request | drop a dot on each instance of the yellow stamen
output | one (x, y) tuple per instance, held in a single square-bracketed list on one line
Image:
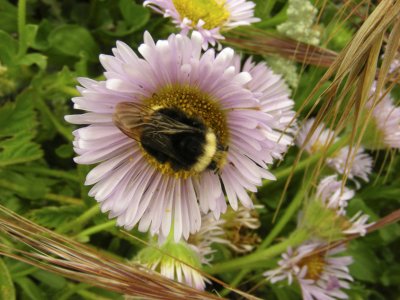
[(317, 146), (315, 265), (212, 12)]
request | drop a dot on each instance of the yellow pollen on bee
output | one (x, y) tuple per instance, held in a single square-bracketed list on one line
[(212, 12), (209, 152), (197, 104)]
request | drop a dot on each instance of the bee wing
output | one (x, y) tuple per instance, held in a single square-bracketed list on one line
[(167, 125), (130, 117)]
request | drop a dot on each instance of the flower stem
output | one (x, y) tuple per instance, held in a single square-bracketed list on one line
[(235, 282), (64, 131), (287, 216), (63, 199), (45, 171), (89, 295), (70, 91), (95, 229), (21, 27), (81, 220), (268, 6), (253, 260), (275, 20), (20, 160), (49, 196)]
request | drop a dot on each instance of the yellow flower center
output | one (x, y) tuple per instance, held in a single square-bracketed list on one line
[(212, 12), (317, 146), (343, 222), (315, 265), (193, 103)]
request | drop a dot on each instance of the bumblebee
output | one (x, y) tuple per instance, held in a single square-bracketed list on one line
[(171, 136)]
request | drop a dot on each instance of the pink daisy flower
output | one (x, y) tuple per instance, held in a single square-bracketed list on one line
[(211, 231), (321, 276), (318, 141), (239, 228), (355, 163), (383, 129), (334, 196), (220, 144), (207, 17), (358, 160), (331, 192), (275, 100)]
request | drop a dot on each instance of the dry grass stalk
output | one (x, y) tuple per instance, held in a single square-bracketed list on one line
[(257, 41), (58, 254), (354, 71), (351, 75)]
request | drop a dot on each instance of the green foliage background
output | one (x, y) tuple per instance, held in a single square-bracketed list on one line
[(44, 46)]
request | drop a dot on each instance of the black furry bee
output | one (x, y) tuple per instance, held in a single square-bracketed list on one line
[(170, 135)]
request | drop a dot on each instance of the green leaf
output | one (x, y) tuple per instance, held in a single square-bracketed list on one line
[(65, 151), (81, 66), (52, 280), (135, 16), (365, 266), (391, 276), (7, 290), (390, 233), (71, 40), (30, 289), (52, 216), (8, 48), (19, 269), (263, 11), (31, 31), (38, 37), (373, 192), (34, 59), (284, 293), (28, 186), (9, 200), (8, 16), (17, 129)]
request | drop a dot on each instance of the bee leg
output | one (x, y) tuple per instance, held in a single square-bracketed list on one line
[(213, 167)]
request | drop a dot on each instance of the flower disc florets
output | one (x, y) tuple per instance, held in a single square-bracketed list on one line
[(351, 161), (334, 196), (383, 129), (208, 17), (321, 275), (203, 94)]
